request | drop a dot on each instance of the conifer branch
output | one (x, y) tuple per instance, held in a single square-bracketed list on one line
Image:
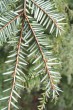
[(53, 20), (11, 21), (43, 56), (29, 42), (17, 61)]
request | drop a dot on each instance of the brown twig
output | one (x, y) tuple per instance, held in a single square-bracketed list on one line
[(24, 7), (11, 21), (41, 51), (17, 61), (53, 20)]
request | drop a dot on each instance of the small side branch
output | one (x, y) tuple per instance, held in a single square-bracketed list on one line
[(17, 61), (11, 21), (41, 51), (53, 20)]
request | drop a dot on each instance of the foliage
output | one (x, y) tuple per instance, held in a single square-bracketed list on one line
[(25, 27), (64, 50)]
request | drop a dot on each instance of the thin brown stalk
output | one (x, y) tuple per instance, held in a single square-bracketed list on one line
[(41, 51), (17, 61), (24, 7), (53, 20), (11, 21)]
